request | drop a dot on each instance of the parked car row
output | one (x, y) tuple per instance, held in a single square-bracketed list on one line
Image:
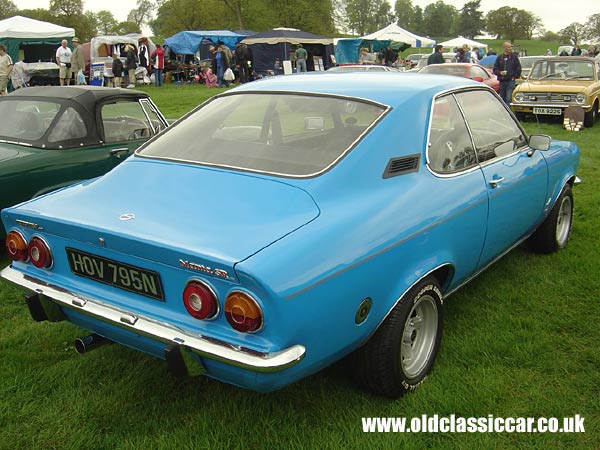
[(282, 225)]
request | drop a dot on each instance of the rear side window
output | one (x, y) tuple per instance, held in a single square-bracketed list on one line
[(125, 121), (69, 126)]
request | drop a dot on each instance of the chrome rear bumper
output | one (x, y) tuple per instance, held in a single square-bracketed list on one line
[(203, 346)]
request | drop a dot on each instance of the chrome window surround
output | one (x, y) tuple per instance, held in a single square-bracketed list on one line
[(386, 110)]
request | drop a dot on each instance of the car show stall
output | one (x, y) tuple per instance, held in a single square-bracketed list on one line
[(282, 42)]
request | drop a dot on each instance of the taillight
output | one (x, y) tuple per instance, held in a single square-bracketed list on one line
[(242, 312), (39, 253), (16, 246), (200, 301)]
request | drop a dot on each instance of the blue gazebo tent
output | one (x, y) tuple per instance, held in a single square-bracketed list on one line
[(188, 42)]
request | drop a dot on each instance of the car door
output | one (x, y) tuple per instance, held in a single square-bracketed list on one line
[(516, 177)]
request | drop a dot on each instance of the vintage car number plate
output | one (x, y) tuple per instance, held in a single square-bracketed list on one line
[(548, 111), (114, 273)]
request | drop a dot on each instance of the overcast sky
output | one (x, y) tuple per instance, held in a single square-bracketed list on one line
[(555, 14)]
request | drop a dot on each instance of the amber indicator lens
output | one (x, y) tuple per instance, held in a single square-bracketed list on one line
[(16, 246), (243, 313)]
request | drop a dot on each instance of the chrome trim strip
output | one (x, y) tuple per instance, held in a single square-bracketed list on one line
[(549, 105), (206, 347)]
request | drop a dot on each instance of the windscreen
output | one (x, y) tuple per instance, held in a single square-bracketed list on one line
[(281, 134)]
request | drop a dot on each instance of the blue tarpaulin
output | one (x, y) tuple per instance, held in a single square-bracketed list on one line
[(347, 50), (187, 42)]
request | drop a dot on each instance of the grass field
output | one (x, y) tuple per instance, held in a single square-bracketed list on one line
[(520, 340)]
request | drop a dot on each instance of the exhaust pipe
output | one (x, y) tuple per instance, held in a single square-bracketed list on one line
[(91, 341)]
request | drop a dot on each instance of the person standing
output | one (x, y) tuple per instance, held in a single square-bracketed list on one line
[(390, 56), (6, 67), (63, 59), (77, 62), (436, 57), (301, 56), (507, 68), (242, 60), (130, 66), (117, 69), (220, 63), (158, 64)]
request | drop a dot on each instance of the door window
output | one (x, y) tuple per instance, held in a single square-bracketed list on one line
[(125, 121), (494, 130)]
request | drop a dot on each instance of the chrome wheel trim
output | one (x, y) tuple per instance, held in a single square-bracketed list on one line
[(419, 336), (563, 221)]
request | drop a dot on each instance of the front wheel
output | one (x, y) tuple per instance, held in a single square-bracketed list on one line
[(401, 353), (591, 116), (553, 234)]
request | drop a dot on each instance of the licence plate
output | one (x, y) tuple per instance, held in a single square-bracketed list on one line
[(548, 111), (114, 273)]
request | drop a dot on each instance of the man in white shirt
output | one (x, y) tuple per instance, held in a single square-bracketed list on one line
[(6, 66), (63, 59)]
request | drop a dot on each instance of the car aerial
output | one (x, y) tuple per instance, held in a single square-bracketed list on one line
[(51, 137), (287, 223), (466, 70), (557, 83), (361, 68)]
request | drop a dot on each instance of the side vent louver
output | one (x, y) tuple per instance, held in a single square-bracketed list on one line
[(400, 166)]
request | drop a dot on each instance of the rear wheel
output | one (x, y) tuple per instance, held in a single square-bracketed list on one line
[(553, 234), (401, 353)]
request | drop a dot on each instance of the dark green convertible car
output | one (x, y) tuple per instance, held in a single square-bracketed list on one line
[(52, 137)]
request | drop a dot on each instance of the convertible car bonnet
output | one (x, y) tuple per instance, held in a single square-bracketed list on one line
[(167, 211)]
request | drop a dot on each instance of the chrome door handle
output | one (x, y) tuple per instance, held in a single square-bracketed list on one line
[(494, 183), (119, 151)]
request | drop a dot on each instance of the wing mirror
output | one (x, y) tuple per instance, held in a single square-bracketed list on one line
[(540, 142)]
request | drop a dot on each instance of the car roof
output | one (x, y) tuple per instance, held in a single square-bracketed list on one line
[(87, 96), (388, 88)]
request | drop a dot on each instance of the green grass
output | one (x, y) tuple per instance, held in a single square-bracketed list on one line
[(520, 340), (534, 47)]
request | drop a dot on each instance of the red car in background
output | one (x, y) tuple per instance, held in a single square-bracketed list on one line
[(466, 70)]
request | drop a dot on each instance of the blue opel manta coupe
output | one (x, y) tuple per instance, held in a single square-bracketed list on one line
[(293, 221)]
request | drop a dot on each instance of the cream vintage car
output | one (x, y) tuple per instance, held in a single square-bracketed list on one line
[(556, 83)]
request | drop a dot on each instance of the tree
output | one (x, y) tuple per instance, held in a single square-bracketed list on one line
[(38, 14), (405, 12), (439, 18), (7, 9), (66, 8), (592, 27), (550, 36), (178, 15), (512, 23), (363, 15), (105, 22), (142, 14), (314, 16), (471, 21), (573, 33), (126, 28)]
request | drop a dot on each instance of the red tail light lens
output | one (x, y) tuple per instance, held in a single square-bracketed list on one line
[(39, 253), (200, 301), (243, 313), (16, 246)]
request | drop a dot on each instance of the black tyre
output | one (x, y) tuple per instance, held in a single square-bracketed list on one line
[(591, 116), (554, 232), (401, 353)]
